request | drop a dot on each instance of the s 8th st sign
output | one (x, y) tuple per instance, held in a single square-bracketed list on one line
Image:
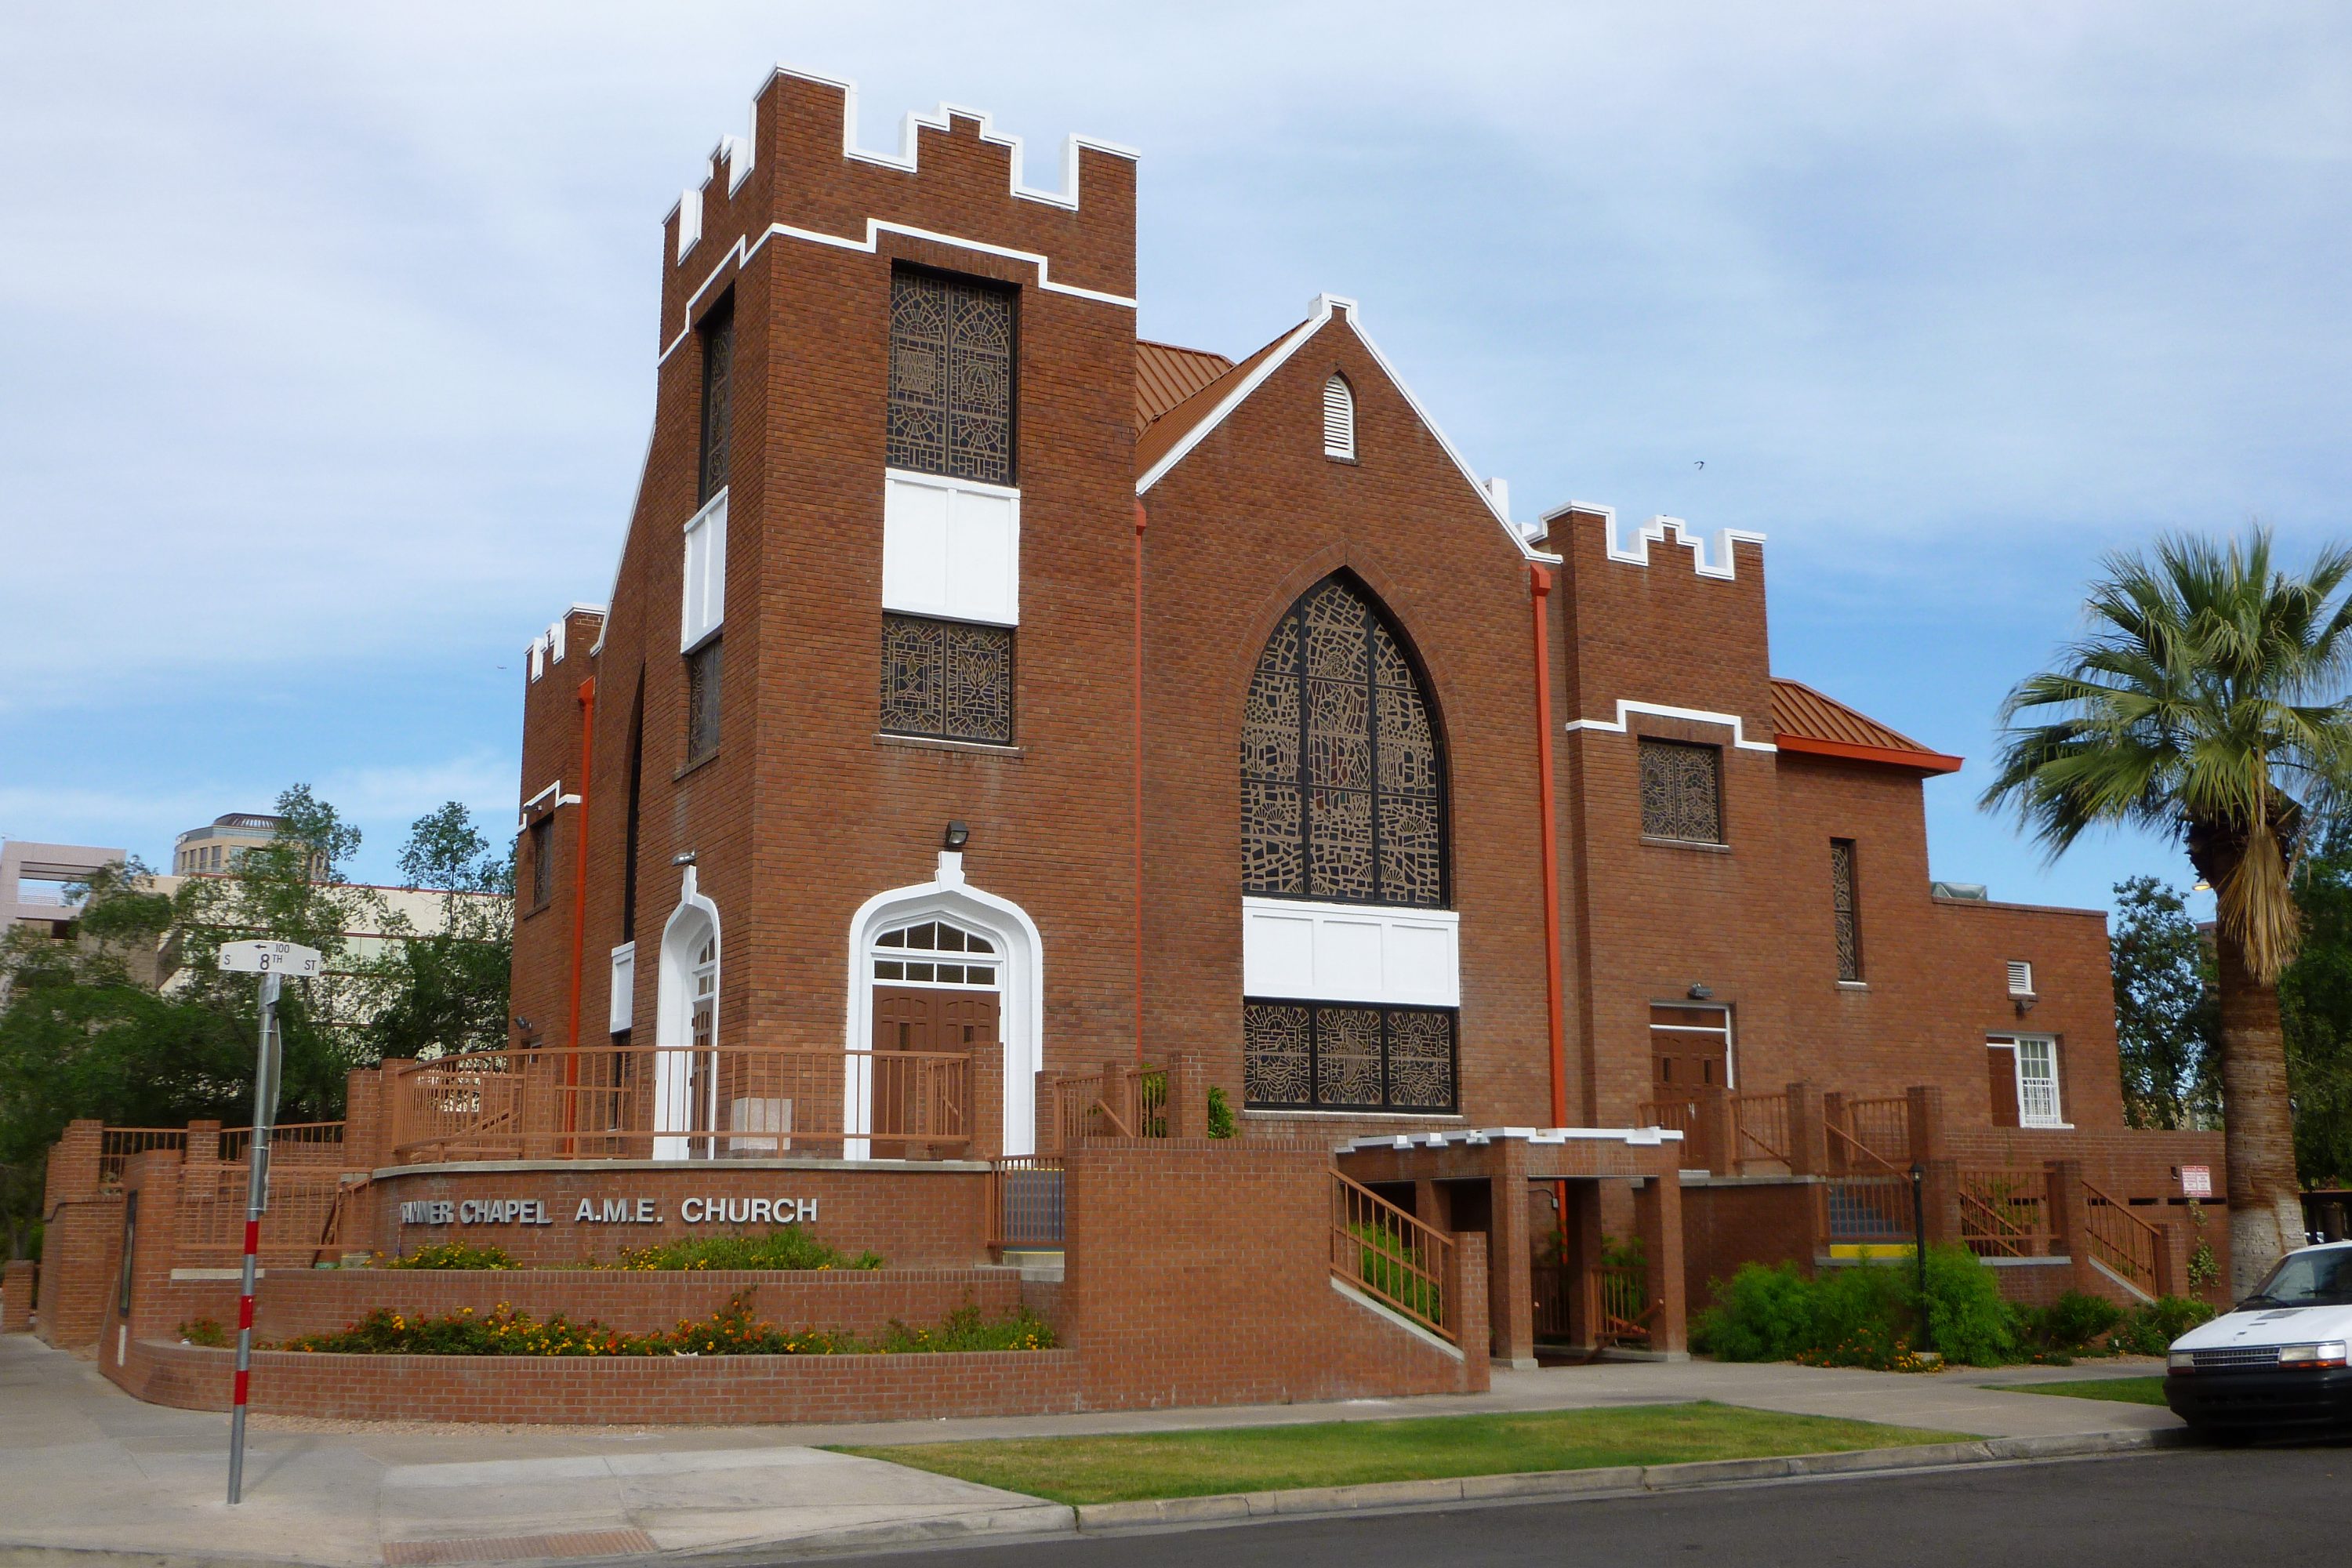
[(261, 957)]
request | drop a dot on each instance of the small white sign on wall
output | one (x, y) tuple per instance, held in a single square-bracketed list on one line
[(2197, 1181)]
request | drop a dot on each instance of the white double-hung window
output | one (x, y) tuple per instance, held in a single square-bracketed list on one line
[(2037, 1081)]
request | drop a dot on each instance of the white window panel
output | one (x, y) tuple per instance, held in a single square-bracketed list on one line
[(950, 548), (2021, 977), (705, 595), (2037, 1081), (623, 1005), (1350, 953), (1339, 418)]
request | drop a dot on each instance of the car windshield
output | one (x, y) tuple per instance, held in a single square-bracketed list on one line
[(2310, 1279)]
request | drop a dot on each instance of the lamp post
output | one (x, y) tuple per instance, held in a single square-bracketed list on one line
[(1919, 1251)]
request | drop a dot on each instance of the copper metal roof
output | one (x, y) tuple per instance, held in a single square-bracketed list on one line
[(1165, 375), (1804, 721), (1160, 438)]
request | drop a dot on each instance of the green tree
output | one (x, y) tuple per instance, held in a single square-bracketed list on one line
[(444, 989), (2315, 1006), (2166, 1016), (2206, 700)]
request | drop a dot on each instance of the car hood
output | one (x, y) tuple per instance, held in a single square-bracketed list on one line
[(2269, 1326)]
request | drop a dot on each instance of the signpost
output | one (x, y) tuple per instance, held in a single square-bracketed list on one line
[(272, 961)]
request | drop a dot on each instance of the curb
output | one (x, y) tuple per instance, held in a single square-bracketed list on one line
[(1049, 1520), (1622, 1481)]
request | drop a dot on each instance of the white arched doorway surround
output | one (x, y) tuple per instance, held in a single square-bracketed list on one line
[(690, 925), (1021, 1021)]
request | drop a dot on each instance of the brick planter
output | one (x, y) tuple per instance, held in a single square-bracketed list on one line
[(564, 1390)]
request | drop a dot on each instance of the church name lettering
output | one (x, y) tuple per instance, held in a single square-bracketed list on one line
[(608, 1211)]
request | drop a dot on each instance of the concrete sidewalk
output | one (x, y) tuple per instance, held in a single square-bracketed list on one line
[(84, 1467)]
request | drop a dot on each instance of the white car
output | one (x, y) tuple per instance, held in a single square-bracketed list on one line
[(2279, 1359)]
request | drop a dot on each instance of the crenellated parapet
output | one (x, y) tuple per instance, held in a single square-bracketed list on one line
[(798, 175), (1721, 562)]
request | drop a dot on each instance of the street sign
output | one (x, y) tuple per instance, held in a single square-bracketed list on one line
[(269, 958), (2197, 1181)]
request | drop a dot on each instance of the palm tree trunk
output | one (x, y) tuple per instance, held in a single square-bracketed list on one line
[(2257, 1123)]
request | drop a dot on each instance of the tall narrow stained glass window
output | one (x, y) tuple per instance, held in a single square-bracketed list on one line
[(952, 368), (1842, 903), (718, 398), (1342, 775), (946, 681)]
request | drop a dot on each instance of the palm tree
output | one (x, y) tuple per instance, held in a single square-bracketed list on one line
[(2207, 699)]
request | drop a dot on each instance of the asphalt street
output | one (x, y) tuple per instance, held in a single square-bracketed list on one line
[(2278, 1508)]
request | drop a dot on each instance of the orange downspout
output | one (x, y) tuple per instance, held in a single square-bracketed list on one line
[(1555, 999), (580, 894), (1137, 706)]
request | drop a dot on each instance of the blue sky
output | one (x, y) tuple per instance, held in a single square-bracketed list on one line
[(327, 333)]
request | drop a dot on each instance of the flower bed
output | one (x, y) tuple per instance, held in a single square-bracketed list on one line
[(732, 1330), (789, 1247)]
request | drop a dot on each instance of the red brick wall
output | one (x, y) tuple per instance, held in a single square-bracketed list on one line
[(80, 1248), (1724, 1227), (17, 1287), (1199, 1273), (914, 1216), (561, 1390)]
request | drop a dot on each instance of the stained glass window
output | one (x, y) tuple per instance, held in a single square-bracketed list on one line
[(947, 679), (951, 361), (1343, 793), (718, 398), (1682, 791), (1345, 1055), (1842, 903), (702, 701)]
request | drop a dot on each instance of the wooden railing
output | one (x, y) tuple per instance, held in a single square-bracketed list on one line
[(618, 1102), (1761, 1127), (2005, 1213), (1850, 1153), (1872, 1208), (292, 1143), (1679, 1114), (2120, 1238), (1883, 1126), (1131, 1102), (1024, 1202), (211, 1223), (1621, 1294), (1391, 1256), (117, 1145)]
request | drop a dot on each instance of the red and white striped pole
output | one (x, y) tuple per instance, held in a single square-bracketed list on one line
[(256, 1199)]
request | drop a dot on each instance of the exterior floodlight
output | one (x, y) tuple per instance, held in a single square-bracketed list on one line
[(956, 837)]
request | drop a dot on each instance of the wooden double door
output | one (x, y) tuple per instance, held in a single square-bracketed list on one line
[(907, 1098)]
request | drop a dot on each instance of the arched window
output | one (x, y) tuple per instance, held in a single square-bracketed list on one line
[(1343, 795), (1339, 418), (937, 953)]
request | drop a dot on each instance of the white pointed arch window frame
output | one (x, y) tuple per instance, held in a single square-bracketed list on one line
[(1338, 417), (937, 952), (692, 951), (1020, 987)]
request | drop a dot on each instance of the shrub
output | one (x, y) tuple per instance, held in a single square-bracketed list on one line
[(1967, 1319), (730, 1330), (1221, 1114), (2150, 1329), (1865, 1315), (790, 1247), (1761, 1314), (453, 1255), (205, 1332)]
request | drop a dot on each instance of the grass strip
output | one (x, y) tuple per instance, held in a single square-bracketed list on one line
[(2125, 1389), (1130, 1466)]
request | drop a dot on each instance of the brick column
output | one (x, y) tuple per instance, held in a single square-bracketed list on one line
[(204, 1143), (74, 1164), (17, 1296), (2172, 1257), (1510, 1288), (1188, 1095), (1466, 1304), (2070, 1224), (1808, 1153), (984, 1117), (1834, 1160), (391, 1110), (1940, 1198), (363, 1118), (1582, 1256), (1925, 1103), (1658, 1219), (1048, 1125)]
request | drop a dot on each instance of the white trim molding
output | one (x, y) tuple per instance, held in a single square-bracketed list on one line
[(673, 1120), (621, 1004), (1694, 715), (1319, 314), (1021, 1018), (553, 797), (1636, 551)]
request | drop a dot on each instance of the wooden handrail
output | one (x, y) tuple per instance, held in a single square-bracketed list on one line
[(1854, 1145), (1391, 1256), (2130, 1244)]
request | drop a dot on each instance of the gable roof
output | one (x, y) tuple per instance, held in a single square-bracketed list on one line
[(1804, 721), (1173, 436), (1165, 375)]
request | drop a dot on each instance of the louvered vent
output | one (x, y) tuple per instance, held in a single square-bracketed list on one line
[(2021, 977), (1339, 418)]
